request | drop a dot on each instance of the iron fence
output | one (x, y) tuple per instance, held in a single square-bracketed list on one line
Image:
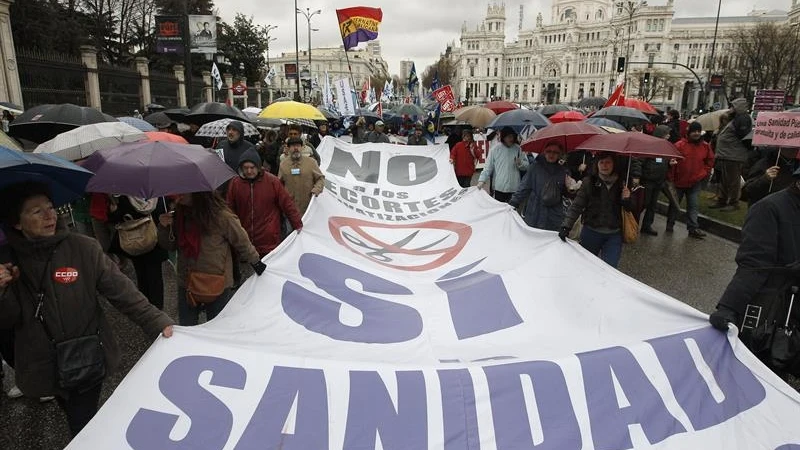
[(51, 78), (120, 90), (164, 89)]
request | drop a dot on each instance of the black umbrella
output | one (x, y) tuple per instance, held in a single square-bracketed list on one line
[(549, 110), (44, 122), (623, 115), (203, 113), (592, 102), (13, 108), (159, 119), (177, 114)]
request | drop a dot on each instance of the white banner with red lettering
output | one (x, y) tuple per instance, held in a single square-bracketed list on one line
[(410, 313)]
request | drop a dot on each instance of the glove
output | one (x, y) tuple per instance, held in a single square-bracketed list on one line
[(563, 233), (259, 267), (722, 317)]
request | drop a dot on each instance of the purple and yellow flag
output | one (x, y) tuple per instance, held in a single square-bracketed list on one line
[(358, 24)]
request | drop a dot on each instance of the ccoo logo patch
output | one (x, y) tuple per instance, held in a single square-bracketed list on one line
[(65, 275)]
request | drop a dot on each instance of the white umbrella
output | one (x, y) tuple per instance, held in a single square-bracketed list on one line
[(710, 121), (81, 142), (217, 129), (252, 109)]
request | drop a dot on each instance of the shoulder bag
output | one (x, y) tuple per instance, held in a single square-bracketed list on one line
[(137, 236)]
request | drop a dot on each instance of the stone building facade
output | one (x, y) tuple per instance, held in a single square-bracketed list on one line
[(574, 54)]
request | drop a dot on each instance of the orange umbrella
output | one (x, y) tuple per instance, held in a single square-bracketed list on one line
[(160, 136), (567, 116)]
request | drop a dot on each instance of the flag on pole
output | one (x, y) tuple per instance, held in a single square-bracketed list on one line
[(327, 94), (345, 98), (617, 97), (216, 76), (358, 24), (412, 78), (270, 76), (365, 88), (435, 82), (386, 94)]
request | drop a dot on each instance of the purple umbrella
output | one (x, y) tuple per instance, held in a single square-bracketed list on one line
[(154, 169)]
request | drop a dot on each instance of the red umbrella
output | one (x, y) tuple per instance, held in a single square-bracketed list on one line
[(631, 144), (567, 134), (160, 136), (567, 116), (641, 105), (500, 106)]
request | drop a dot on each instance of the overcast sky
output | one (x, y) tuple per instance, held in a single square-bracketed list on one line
[(420, 29)]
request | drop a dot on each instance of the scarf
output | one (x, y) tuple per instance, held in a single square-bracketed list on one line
[(608, 180), (143, 206), (188, 236)]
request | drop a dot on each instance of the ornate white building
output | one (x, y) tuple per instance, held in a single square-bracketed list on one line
[(574, 55)]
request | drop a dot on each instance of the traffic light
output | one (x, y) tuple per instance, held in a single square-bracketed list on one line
[(621, 64), (647, 77)]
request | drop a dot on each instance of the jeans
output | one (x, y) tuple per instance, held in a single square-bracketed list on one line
[(80, 407), (464, 181), (691, 195), (502, 197), (189, 315), (608, 246), (651, 192)]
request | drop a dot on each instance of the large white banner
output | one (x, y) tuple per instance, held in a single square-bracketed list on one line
[(410, 313)]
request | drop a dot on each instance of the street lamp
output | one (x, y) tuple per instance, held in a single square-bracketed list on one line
[(308, 14)]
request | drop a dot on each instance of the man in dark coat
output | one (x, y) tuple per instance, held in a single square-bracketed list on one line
[(654, 178), (544, 184), (770, 241), (731, 153), (674, 124), (235, 145)]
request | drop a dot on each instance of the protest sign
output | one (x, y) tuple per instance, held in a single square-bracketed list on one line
[(444, 95), (414, 314), (777, 129)]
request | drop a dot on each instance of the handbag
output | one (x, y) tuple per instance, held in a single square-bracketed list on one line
[(551, 193), (776, 342), (80, 362), (137, 236), (630, 227), (202, 287)]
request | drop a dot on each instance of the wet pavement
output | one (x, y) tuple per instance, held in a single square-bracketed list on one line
[(692, 271)]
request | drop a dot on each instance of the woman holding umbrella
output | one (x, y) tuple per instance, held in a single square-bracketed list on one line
[(600, 201), (50, 296), (204, 231), (505, 162), (544, 184)]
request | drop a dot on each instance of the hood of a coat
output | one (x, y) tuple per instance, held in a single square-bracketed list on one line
[(250, 155), (739, 105)]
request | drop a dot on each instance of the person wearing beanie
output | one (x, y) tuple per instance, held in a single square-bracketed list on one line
[(654, 179), (378, 136), (504, 166), (767, 261), (259, 199), (687, 175), (732, 155), (417, 138)]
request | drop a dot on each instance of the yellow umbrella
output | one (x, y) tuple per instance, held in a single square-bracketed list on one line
[(291, 110)]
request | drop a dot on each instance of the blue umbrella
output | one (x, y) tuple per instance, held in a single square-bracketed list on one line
[(519, 119), (67, 181), (139, 124), (603, 122)]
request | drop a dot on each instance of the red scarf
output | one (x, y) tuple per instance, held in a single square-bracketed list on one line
[(188, 237)]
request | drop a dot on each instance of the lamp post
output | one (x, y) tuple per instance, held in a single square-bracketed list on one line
[(631, 8), (269, 39), (296, 53), (707, 90), (308, 14)]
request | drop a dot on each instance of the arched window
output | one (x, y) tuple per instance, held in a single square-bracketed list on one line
[(598, 15), (569, 14)]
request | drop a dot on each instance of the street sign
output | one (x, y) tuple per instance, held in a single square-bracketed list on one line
[(239, 88), (769, 100)]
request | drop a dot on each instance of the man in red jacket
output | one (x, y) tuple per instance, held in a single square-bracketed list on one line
[(259, 198), (687, 173), (463, 156)]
